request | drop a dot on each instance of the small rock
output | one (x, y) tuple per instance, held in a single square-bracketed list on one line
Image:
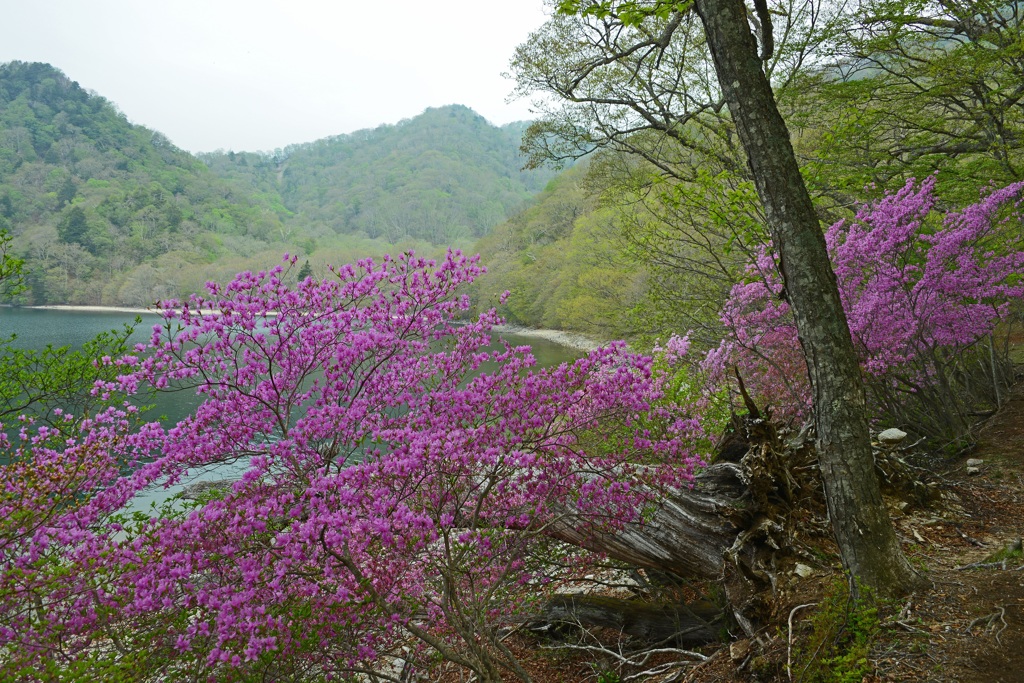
[(197, 489), (739, 650), (892, 436), (975, 462), (973, 470), (802, 570)]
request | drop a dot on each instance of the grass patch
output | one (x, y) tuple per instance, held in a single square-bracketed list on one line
[(842, 631), (1013, 551)]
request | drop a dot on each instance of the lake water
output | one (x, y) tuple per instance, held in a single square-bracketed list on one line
[(36, 328)]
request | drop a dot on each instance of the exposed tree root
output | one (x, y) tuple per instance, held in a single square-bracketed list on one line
[(988, 622)]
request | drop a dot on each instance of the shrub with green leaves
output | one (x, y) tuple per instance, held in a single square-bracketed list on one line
[(842, 631)]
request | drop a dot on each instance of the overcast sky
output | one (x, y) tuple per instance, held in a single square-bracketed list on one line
[(260, 74)]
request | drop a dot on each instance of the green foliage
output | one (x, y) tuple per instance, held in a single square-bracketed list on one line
[(694, 237), (73, 226), (843, 629), (445, 177), (38, 383), (614, 248), (565, 263), (12, 269), (631, 13), (917, 87)]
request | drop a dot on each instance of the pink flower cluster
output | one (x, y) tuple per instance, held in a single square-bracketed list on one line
[(911, 285), (391, 488)]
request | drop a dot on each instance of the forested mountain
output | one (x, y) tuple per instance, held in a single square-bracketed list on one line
[(443, 177), (107, 212), (101, 208)]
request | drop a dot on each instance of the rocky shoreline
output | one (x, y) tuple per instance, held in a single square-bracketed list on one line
[(570, 340)]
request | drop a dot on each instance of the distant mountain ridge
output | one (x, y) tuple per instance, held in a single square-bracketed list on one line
[(108, 212)]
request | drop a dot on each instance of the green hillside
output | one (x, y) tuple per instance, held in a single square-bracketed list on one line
[(564, 262), (108, 212), (102, 209)]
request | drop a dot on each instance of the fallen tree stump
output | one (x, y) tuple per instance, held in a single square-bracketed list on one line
[(734, 527)]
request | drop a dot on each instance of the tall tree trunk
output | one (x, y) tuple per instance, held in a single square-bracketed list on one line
[(860, 521)]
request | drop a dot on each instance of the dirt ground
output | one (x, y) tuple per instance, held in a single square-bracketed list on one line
[(973, 618), (968, 627)]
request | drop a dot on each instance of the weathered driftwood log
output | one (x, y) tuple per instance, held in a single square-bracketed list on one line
[(734, 527), (697, 531)]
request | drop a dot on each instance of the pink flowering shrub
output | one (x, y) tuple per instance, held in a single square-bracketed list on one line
[(394, 500), (920, 292), (687, 383), (59, 486)]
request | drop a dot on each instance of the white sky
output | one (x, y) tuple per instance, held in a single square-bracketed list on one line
[(250, 75)]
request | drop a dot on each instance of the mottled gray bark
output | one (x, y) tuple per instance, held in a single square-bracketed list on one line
[(687, 535), (862, 527)]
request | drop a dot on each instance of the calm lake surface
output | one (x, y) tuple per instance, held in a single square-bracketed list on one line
[(37, 328)]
